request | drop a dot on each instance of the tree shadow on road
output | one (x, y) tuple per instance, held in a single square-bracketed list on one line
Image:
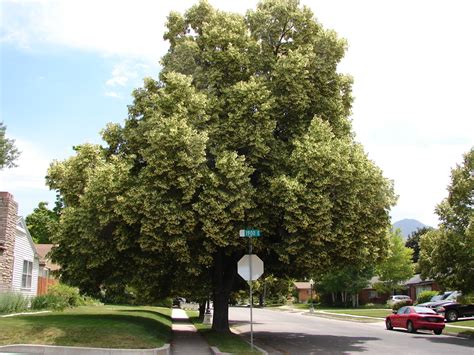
[(468, 342), (297, 343)]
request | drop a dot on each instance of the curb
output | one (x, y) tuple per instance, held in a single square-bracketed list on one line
[(69, 350), (215, 350), (237, 332)]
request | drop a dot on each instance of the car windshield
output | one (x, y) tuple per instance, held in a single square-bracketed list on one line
[(424, 310), (438, 298)]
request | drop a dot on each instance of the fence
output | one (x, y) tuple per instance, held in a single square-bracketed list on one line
[(44, 283)]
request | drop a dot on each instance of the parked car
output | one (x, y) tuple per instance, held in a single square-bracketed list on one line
[(453, 310), (414, 318), (438, 300), (399, 298)]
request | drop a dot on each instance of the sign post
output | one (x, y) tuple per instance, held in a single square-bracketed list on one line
[(250, 267)]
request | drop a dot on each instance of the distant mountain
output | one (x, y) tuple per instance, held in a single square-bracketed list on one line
[(408, 226)]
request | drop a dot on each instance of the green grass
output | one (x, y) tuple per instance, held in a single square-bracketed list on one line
[(101, 326), (228, 343), (462, 323)]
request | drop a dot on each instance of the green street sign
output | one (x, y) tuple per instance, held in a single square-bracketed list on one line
[(249, 233)]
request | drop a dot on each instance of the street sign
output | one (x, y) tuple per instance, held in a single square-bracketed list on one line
[(243, 267), (250, 233)]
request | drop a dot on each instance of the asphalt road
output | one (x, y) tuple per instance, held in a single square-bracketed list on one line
[(296, 333)]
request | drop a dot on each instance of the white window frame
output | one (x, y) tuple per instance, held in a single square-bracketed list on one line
[(27, 274)]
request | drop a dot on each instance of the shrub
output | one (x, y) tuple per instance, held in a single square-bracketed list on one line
[(397, 305), (49, 301), (426, 296), (66, 294), (466, 299), (11, 302)]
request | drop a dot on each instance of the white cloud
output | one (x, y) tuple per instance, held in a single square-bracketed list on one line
[(31, 170), (111, 94)]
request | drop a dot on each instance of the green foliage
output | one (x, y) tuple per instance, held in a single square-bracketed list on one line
[(346, 280), (397, 267), (8, 152), (447, 254), (69, 294), (247, 126), (397, 305), (11, 302), (43, 223), (413, 241), (426, 296), (49, 301), (466, 299), (60, 297)]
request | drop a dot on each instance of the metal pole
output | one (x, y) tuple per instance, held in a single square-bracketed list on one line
[(251, 296)]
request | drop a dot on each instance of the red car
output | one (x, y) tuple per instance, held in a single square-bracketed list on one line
[(414, 318)]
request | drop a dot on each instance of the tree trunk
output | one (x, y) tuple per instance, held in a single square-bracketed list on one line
[(202, 309), (333, 295), (225, 270)]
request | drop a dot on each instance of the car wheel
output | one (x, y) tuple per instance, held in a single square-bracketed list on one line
[(411, 327), (388, 324), (438, 331), (451, 316)]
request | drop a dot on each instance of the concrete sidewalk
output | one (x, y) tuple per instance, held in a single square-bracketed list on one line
[(186, 339)]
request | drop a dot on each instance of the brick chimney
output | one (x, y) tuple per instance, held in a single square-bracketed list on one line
[(8, 221)]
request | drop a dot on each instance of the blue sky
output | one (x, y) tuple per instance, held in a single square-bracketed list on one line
[(69, 67)]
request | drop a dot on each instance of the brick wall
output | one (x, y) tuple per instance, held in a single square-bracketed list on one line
[(8, 220)]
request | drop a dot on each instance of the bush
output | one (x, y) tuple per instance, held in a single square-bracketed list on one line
[(466, 299), (12, 302), (67, 295), (49, 301), (426, 296), (397, 305), (60, 297)]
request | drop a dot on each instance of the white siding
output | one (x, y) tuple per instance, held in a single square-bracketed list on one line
[(24, 251)]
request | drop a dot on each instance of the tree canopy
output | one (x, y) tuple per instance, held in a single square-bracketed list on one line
[(447, 254), (8, 152), (247, 126), (413, 241), (43, 222), (397, 267)]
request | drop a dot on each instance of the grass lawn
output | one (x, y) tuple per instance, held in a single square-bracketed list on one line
[(228, 343), (98, 326), (462, 323)]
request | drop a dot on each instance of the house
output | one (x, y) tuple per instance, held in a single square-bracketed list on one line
[(304, 291), (19, 260), (371, 295), (416, 285), (46, 267)]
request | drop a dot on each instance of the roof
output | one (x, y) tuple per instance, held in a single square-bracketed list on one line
[(417, 280), (372, 282), (302, 285), (43, 251)]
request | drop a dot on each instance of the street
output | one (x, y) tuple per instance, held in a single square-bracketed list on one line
[(294, 333)]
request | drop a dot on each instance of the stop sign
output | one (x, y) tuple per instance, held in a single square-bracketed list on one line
[(243, 267)]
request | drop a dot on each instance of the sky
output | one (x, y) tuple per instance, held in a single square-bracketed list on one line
[(68, 67)]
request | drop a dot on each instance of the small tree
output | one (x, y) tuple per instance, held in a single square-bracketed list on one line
[(397, 267), (447, 254), (413, 241), (8, 152)]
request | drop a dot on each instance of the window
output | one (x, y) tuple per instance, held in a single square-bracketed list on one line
[(27, 274), (373, 294)]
